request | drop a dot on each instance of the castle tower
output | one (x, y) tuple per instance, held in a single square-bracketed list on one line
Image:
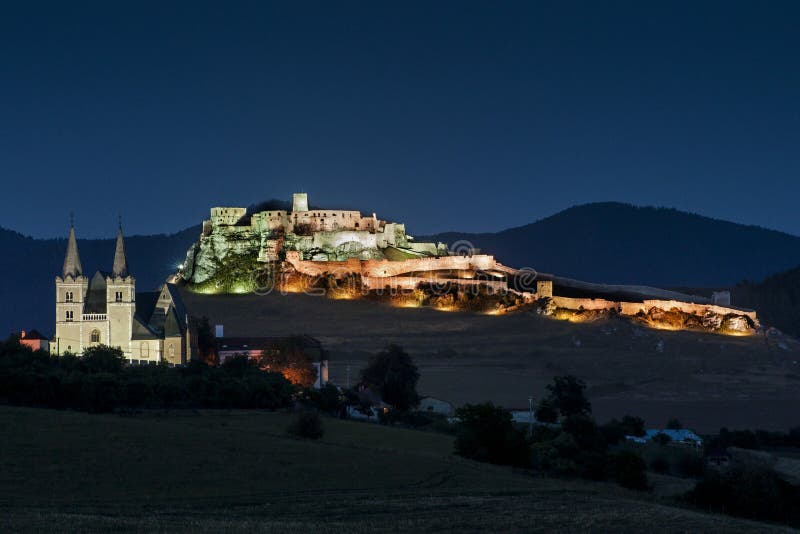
[(120, 299), (299, 202), (71, 289)]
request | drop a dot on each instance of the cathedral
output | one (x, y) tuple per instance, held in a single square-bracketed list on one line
[(105, 309)]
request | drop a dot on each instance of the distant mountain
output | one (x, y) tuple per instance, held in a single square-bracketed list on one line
[(622, 244), (28, 268), (608, 242)]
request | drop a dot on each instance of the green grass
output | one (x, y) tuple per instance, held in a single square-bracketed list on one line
[(239, 471)]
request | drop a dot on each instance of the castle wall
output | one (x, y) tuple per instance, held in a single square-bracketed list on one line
[(387, 268), (334, 239), (412, 282), (226, 216), (633, 308)]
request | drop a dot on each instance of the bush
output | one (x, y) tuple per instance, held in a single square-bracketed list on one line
[(659, 464), (307, 425), (486, 433), (629, 470)]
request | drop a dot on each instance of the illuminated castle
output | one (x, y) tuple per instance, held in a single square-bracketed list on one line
[(106, 309)]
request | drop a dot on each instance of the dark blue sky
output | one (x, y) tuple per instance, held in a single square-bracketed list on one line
[(445, 115)]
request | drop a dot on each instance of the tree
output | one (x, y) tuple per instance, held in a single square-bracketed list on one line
[(103, 359), (567, 396), (206, 342), (632, 425), (546, 412), (486, 433), (674, 424), (290, 359), (392, 373)]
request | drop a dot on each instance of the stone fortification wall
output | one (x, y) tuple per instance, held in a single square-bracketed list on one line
[(633, 308), (412, 282), (386, 268)]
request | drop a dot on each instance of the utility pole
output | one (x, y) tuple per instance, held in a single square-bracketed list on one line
[(530, 416)]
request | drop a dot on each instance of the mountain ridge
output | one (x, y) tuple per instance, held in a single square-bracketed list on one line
[(607, 242)]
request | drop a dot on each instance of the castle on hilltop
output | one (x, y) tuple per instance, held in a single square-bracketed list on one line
[(352, 255), (313, 234), (106, 309)]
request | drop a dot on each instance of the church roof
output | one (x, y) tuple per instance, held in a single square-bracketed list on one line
[(72, 261), (145, 305), (142, 331), (120, 259)]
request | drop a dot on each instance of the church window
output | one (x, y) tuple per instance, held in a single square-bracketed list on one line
[(118, 296), (68, 296), (95, 336), (171, 350), (69, 315)]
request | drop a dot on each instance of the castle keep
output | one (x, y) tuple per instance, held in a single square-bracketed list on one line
[(106, 309)]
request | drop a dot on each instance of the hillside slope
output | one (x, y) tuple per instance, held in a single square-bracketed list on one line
[(611, 243), (622, 244)]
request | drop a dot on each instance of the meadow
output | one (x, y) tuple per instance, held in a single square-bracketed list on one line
[(206, 471)]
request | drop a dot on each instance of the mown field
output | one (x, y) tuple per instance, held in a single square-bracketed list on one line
[(707, 381), (239, 471)]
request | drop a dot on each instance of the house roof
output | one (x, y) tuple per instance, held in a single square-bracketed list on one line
[(146, 304), (246, 344), (33, 334), (682, 434)]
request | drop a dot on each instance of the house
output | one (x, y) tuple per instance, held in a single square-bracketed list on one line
[(683, 436), (34, 340), (434, 405)]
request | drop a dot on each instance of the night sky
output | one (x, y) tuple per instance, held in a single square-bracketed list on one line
[(444, 115)]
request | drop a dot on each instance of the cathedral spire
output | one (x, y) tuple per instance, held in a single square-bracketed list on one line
[(72, 261), (120, 259)]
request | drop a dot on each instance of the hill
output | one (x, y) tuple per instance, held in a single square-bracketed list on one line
[(618, 243), (706, 380), (609, 242), (239, 471), (777, 298)]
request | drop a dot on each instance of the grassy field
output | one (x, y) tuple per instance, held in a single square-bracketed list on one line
[(239, 471), (707, 381)]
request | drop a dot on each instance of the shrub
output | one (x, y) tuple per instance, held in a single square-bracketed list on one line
[(307, 425), (751, 491), (629, 470), (659, 464)]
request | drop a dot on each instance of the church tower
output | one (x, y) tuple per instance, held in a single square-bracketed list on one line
[(120, 299), (71, 289)]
